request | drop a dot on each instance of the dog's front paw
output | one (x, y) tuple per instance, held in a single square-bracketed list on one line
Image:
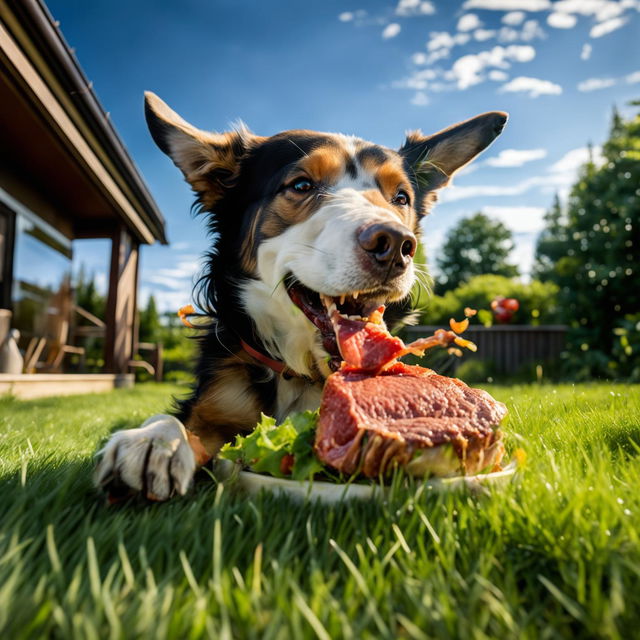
[(155, 460)]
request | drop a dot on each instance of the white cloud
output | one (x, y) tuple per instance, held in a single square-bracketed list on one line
[(484, 34), (585, 54), (469, 22), (391, 31), (518, 219), (454, 193), (524, 253), (508, 5), (165, 300), (514, 18), (100, 280), (560, 20), (574, 159), (467, 69), (418, 80), (601, 9), (520, 53), (559, 177), (444, 40), (165, 281), (593, 84), (530, 31), (516, 157), (498, 76), (419, 58), (609, 10), (434, 56), (603, 28), (351, 16), (440, 44), (420, 99), (415, 8), (533, 86)]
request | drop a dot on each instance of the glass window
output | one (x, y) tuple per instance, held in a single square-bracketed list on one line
[(42, 296)]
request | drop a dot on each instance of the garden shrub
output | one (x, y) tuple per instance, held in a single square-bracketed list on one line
[(537, 300)]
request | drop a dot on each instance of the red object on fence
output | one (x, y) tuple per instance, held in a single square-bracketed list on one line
[(504, 308)]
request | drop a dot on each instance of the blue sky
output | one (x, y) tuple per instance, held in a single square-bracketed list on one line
[(371, 68)]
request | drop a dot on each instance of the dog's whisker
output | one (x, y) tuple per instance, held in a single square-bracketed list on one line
[(306, 155), (310, 246)]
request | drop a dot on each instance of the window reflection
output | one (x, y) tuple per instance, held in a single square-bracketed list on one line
[(41, 286)]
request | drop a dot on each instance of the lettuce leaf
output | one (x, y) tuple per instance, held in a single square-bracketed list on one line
[(265, 447)]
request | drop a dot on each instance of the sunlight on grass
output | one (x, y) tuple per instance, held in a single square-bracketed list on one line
[(556, 553)]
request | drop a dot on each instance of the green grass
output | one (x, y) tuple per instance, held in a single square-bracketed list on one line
[(555, 554)]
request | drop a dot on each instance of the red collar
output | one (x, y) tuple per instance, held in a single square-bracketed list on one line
[(275, 365)]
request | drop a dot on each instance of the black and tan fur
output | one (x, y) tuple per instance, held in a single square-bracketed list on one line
[(243, 184)]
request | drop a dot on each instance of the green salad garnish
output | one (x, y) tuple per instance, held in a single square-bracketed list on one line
[(283, 451)]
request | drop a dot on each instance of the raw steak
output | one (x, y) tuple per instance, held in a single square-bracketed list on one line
[(377, 413)]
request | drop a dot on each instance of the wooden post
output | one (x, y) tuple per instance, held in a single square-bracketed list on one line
[(121, 303)]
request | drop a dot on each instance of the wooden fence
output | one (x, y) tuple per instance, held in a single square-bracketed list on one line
[(507, 347)]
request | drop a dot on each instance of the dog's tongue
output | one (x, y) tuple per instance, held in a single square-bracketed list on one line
[(367, 345)]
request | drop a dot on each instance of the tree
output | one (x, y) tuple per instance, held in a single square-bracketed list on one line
[(475, 246), (149, 329), (87, 295), (590, 250), (550, 247)]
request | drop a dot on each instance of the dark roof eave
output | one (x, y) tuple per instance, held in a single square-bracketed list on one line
[(54, 49)]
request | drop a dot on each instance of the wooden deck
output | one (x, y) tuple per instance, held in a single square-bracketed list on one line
[(40, 385)]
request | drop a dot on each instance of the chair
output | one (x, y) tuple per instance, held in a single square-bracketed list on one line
[(53, 338)]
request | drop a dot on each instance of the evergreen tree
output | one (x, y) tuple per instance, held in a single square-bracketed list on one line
[(149, 330), (87, 295), (592, 251), (475, 246)]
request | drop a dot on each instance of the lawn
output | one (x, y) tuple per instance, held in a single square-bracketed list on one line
[(555, 554)]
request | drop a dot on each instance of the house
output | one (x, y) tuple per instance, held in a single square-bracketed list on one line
[(65, 176)]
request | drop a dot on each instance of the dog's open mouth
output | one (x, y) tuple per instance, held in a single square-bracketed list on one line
[(318, 309)]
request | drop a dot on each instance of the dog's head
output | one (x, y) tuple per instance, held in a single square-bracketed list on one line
[(307, 219)]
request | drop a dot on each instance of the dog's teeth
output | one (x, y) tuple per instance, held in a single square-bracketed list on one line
[(360, 318), (342, 299), (355, 295)]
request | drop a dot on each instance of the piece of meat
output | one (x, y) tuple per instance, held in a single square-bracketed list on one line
[(368, 346), (369, 423), (365, 346)]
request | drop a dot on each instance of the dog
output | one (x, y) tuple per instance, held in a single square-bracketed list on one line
[(300, 220)]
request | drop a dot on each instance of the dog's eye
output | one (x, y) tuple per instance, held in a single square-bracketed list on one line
[(401, 198), (302, 185)]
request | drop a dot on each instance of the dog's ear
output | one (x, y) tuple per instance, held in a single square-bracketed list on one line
[(209, 161), (433, 160)]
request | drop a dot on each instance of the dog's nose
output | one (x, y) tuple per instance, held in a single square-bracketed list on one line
[(390, 243)]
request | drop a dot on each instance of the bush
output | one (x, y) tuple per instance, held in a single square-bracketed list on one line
[(475, 371), (537, 300), (626, 348)]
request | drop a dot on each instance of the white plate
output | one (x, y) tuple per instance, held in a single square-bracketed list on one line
[(330, 493)]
